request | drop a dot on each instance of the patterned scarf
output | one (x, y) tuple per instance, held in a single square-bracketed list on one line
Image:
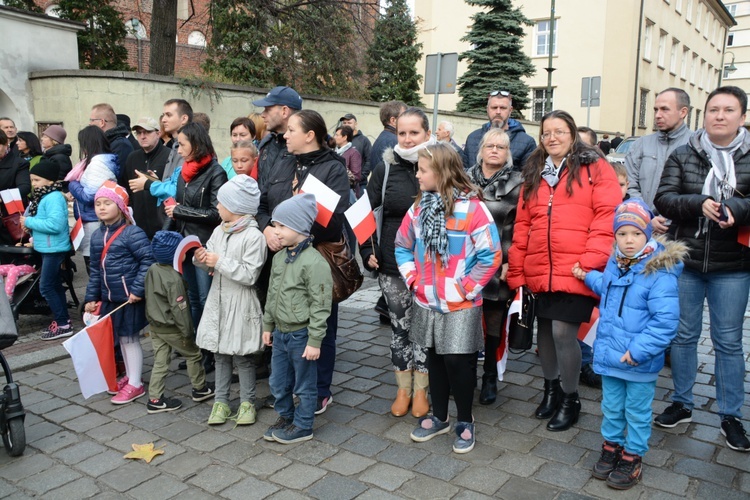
[(476, 174), (432, 224), (293, 253), (237, 226), (624, 263), (550, 172), (40, 193)]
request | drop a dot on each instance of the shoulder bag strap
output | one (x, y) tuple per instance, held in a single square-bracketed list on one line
[(109, 243), (382, 196)]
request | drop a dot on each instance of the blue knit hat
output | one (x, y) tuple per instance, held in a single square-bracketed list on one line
[(164, 246), (297, 213), (634, 212)]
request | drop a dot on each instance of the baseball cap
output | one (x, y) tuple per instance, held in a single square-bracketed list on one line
[(348, 116), (281, 96), (146, 123)]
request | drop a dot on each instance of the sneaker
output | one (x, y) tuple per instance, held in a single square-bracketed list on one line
[(163, 404), (245, 414), (128, 394), (203, 394), (589, 377), (675, 414), (55, 331), (480, 356), (219, 413), (428, 428), (270, 401), (120, 384), (465, 437), (735, 434), (323, 404), (280, 423), (292, 434), (611, 453), (627, 473)]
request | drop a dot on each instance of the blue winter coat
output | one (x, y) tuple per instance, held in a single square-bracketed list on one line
[(639, 312), (521, 144), (49, 227), (124, 268)]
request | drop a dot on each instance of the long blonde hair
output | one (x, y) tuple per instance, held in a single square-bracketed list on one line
[(449, 174)]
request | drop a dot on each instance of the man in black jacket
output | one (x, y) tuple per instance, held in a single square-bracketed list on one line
[(104, 117), (361, 143), (278, 106)]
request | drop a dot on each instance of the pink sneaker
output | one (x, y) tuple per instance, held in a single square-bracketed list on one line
[(128, 394), (120, 384)]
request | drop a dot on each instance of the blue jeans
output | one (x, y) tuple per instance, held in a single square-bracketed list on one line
[(627, 405), (727, 294), (50, 286), (328, 354), (292, 374), (199, 283)]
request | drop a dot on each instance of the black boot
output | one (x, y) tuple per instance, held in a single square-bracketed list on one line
[(488, 393), (550, 400), (567, 414)]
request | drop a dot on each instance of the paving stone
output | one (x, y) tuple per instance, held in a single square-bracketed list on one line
[(351, 398), (400, 455), (706, 471), (690, 447), (84, 487), (215, 478), (481, 479), (50, 479), (423, 487), (207, 441), (180, 431), (560, 452), (157, 421), (264, 464), (186, 465), (289, 495), (46, 406), (358, 384), (52, 443), (297, 476), (340, 413), (105, 433), (160, 487), (445, 468), (124, 443), (656, 457), (514, 441), (346, 463), (127, 413), (377, 405), (518, 464), (333, 486), (666, 480), (40, 431), (65, 413), (86, 422), (79, 452), (236, 452), (250, 487), (312, 453), (524, 488), (365, 444), (734, 459), (24, 466), (563, 476), (374, 424), (351, 356), (399, 432), (334, 433), (100, 464), (521, 425), (710, 490), (129, 475), (6, 489)]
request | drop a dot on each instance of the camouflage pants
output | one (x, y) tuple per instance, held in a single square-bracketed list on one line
[(405, 355)]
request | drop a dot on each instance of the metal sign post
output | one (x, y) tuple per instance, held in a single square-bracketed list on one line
[(440, 78), (590, 94)]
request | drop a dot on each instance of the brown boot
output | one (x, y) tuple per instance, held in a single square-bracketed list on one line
[(419, 405), (400, 407)]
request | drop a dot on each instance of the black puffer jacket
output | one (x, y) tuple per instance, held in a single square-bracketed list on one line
[(400, 191), (271, 151), (60, 154), (196, 213), (679, 198)]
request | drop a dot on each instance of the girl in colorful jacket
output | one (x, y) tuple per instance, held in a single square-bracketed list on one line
[(447, 249)]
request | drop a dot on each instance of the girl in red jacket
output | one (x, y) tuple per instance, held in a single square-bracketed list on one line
[(564, 221)]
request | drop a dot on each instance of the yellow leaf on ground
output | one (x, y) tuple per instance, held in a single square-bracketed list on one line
[(145, 452)]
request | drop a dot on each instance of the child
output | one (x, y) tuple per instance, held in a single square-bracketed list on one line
[(638, 317), (120, 257), (244, 156), (47, 220), (231, 323), (171, 325), (447, 250), (12, 273), (622, 179), (299, 302)]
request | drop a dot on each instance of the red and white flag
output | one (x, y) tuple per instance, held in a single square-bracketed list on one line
[(12, 200), (587, 331), (76, 233), (326, 198), (93, 353), (188, 243), (502, 350), (361, 219)]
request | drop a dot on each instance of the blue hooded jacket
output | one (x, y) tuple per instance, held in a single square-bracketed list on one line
[(521, 144)]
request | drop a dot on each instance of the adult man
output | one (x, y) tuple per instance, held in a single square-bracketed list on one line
[(616, 141), (389, 112), (361, 143), (278, 106), (148, 160), (9, 127), (103, 116), (645, 160), (444, 133), (176, 114), (499, 108)]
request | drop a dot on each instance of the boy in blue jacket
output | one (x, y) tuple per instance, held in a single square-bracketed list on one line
[(638, 317)]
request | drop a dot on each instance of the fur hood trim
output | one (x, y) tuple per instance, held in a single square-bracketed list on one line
[(672, 254), (588, 156), (389, 157)]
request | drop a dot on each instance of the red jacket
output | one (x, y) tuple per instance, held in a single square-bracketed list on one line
[(555, 230)]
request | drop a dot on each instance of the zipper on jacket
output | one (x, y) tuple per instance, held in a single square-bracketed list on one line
[(203, 189), (104, 269), (606, 299), (706, 245), (549, 236), (276, 308), (622, 301), (125, 286)]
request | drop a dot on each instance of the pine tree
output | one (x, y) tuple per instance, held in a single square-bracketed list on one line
[(393, 56), (497, 60)]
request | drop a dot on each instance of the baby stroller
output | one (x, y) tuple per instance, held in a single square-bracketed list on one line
[(12, 414)]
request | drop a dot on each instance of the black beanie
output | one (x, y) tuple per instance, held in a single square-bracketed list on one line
[(46, 169)]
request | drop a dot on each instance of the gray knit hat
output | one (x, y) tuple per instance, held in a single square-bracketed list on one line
[(240, 195), (297, 213)]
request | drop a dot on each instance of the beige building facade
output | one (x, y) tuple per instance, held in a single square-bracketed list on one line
[(737, 53), (637, 47)]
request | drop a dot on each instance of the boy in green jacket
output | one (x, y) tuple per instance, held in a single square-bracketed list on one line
[(171, 325), (298, 304)]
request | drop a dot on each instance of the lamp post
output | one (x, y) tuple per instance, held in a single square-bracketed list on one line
[(551, 49)]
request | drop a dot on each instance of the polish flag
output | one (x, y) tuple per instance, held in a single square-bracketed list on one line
[(12, 200), (76, 233), (188, 243), (587, 331), (93, 353), (326, 198), (361, 219), (502, 350)]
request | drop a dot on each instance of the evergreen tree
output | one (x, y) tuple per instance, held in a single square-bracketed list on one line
[(24, 5), (100, 44), (393, 56), (497, 60)]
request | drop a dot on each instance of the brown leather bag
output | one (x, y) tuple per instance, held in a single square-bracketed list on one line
[(12, 224), (345, 271)]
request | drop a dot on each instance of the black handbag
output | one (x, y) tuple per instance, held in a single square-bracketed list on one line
[(521, 328)]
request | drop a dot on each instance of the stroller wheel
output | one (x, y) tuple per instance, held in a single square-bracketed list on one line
[(14, 437)]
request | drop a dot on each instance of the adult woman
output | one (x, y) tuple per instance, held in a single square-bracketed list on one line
[(704, 191), (344, 147), (500, 185), (309, 156), (260, 128), (241, 129), (98, 164), (564, 220), (55, 149), (29, 148), (14, 173), (401, 186)]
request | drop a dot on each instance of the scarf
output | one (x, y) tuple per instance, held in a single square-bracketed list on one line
[(476, 174), (721, 179), (77, 172), (39, 193), (237, 226), (191, 168), (550, 172), (410, 154), (292, 253), (432, 224), (624, 263), (343, 149)]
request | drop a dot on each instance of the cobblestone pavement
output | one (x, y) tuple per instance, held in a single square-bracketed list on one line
[(76, 446)]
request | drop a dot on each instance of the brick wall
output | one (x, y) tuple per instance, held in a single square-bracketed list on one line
[(188, 58)]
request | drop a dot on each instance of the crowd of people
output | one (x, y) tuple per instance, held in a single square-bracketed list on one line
[(461, 230)]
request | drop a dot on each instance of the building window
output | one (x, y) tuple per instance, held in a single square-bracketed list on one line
[(706, 23), (732, 9), (689, 11), (539, 102), (183, 9), (690, 115), (541, 38), (698, 123), (647, 40), (684, 64), (702, 75), (698, 13), (135, 29), (693, 68), (197, 38), (730, 39), (662, 49), (678, 6), (673, 57), (642, 107), (53, 10)]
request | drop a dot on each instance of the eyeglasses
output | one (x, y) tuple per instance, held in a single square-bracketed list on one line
[(503, 93), (92, 120), (499, 147), (556, 133)]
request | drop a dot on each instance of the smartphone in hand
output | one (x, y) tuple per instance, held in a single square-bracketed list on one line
[(170, 202), (723, 213)]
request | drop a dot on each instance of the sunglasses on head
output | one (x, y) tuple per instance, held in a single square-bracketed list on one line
[(503, 93)]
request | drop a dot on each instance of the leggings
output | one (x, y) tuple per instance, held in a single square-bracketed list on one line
[(454, 373), (559, 352)]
